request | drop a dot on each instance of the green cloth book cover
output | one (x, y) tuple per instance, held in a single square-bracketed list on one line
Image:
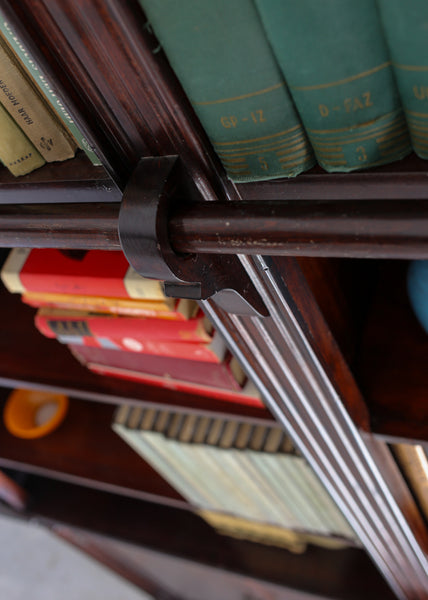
[(406, 29), (337, 66), (220, 54)]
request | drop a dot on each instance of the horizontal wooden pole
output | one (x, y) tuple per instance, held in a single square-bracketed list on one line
[(354, 229), (85, 226)]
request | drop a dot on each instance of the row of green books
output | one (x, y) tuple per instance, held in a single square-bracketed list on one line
[(35, 127), (282, 84), (237, 474)]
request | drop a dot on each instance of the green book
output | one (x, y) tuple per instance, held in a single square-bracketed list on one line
[(406, 29), (220, 54), (336, 63)]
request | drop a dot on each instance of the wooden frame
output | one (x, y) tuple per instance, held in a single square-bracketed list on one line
[(98, 56)]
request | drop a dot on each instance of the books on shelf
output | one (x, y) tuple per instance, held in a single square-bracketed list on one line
[(192, 339), (17, 153), (334, 63), (223, 380), (167, 308), (149, 338), (96, 273), (220, 53), (34, 72), (404, 24), (54, 322), (234, 473), (20, 97)]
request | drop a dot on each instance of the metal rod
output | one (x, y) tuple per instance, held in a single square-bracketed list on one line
[(364, 229), (88, 226), (367, 229)]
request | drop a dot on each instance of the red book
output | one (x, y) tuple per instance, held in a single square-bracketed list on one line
[(93, 273), (225, 381), (56, 322), (169, 308), (213, 352)]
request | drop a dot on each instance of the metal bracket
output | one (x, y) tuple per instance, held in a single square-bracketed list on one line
[(154, 186)]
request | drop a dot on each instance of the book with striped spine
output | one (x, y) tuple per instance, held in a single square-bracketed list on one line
[(335, 60), (233, 468), (405, 28), (223, 60), (17, 153)]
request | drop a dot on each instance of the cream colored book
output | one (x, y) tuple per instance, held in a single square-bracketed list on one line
[(27, 107), (17, 153), (233, 469)]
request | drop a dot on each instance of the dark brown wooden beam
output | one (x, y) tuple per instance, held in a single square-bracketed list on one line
[(353, 229), (74, 180), (364, 229), (75, 226)]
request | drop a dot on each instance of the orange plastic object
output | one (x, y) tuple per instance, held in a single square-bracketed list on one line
[(31, 413)]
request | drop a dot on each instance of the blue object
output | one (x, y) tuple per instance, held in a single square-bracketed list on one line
[(417, 287)]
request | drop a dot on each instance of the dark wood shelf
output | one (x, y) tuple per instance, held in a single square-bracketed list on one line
[(182, 535), (402, 180), (74, 180), (323, 344), (392, 367), (85, 450)]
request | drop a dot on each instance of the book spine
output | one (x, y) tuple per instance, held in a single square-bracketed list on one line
[(11, 270), (336, 63), (56, 322), (45, 88), (404, 24), (224, 62), (413, 461), (97, 273), (188, 351), (17, 153), (23, 102), (173, 384), (113, 306), (217, 376), (200, 456)]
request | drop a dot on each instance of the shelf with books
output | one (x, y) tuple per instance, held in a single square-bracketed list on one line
[(30, 359), (129, 104), (164, 123), (76, 180), (86, 451), (168, 118)]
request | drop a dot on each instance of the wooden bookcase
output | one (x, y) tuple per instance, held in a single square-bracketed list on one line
[(340, 360)]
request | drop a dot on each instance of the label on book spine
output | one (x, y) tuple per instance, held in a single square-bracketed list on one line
[(405, 27), (337, 66), (17, 153), (221, 55)]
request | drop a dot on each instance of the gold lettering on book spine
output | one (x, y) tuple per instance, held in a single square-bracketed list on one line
[(342, 81)]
